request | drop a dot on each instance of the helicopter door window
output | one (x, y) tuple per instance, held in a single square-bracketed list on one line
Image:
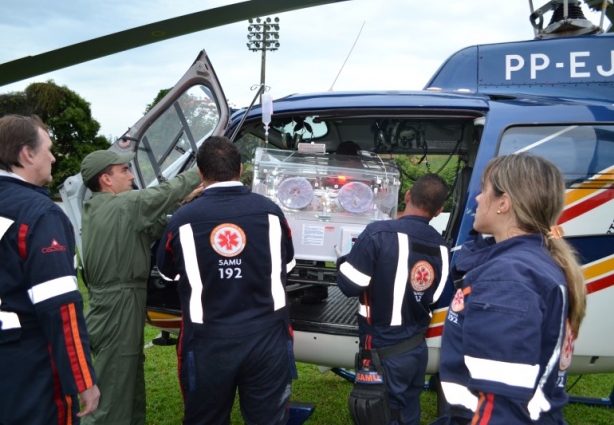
[(175, 134), (571, 147), (585, 156)]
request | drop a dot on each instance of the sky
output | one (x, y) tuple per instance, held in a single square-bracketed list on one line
[(402, 43)]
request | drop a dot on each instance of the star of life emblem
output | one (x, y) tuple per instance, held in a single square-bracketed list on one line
[(228, 240), (567, 350), (458, 303), (422, 276)]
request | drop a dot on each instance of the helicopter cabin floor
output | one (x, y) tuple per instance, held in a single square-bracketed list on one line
[(334, 315)]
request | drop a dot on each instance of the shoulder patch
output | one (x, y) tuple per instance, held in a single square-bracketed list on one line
[(567, 350), (228, 240), (458, 303), (422, 276), (55, 246)]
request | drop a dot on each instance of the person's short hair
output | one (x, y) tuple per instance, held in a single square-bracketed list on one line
[(347, 148), (218, 159), (93, 184), (429, 193), (17, 131)]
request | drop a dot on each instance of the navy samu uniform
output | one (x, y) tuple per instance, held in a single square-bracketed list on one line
[(400, 266), (506, 343), (44, 348), (231, 251)]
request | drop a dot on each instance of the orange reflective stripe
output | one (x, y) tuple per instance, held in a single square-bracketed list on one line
[(79, 347), (476, 415), (69, 409)]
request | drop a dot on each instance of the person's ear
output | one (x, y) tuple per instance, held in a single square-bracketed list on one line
[(26, 155), (406, 200), (105, 180), (438, 212), (200, 174), (504, 203)]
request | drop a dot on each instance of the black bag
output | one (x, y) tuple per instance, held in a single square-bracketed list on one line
[(368, 401)]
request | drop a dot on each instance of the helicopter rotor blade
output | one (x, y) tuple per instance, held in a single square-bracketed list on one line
[(31, 66)]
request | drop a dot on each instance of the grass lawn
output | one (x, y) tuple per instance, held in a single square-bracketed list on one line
[(329, 393)]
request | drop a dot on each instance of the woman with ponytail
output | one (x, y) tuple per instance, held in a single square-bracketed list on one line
[(520, 299)]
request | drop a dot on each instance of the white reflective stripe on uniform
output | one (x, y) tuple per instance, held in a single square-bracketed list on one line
[(277, 288), (400, 280), (514, 374), (186, 238), (52, 288), (362, 310), (457, 394), (163, 276), (290, 265), (538, 402), (445, 269), (9, 320), (354, 275), (5, 223)]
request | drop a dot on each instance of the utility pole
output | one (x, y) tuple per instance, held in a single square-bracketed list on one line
[(263, 35)]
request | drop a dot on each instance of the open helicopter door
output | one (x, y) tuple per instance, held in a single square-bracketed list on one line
[(167, 137)]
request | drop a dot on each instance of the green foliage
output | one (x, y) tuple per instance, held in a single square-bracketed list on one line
[(69, 118), (14, 103), (158, 98), (412, 167)]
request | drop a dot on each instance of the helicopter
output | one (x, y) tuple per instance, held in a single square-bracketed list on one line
[(551, 96)]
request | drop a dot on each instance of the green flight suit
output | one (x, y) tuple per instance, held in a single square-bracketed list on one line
[(118, 231)]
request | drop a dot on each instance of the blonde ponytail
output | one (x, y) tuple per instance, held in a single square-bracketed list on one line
[(563, 254), (537, 190)]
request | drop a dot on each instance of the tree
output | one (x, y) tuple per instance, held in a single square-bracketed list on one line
[(69, 118), (158, 98), (412, 168)]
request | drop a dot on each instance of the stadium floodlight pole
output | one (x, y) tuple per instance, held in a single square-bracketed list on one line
[(263, 35)]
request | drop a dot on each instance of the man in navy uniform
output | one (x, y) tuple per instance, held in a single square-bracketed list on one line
[(45, 364), (398, 268), (230, 251)]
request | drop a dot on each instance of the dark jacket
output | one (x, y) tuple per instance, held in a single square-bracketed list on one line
[(231, 251), (504, 332), (400, 266), (40, 304)]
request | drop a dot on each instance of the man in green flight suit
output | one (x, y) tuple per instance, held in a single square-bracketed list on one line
[(119, 226)]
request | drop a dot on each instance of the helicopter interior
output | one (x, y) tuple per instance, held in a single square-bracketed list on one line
[(378, 133), (443, 143)]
